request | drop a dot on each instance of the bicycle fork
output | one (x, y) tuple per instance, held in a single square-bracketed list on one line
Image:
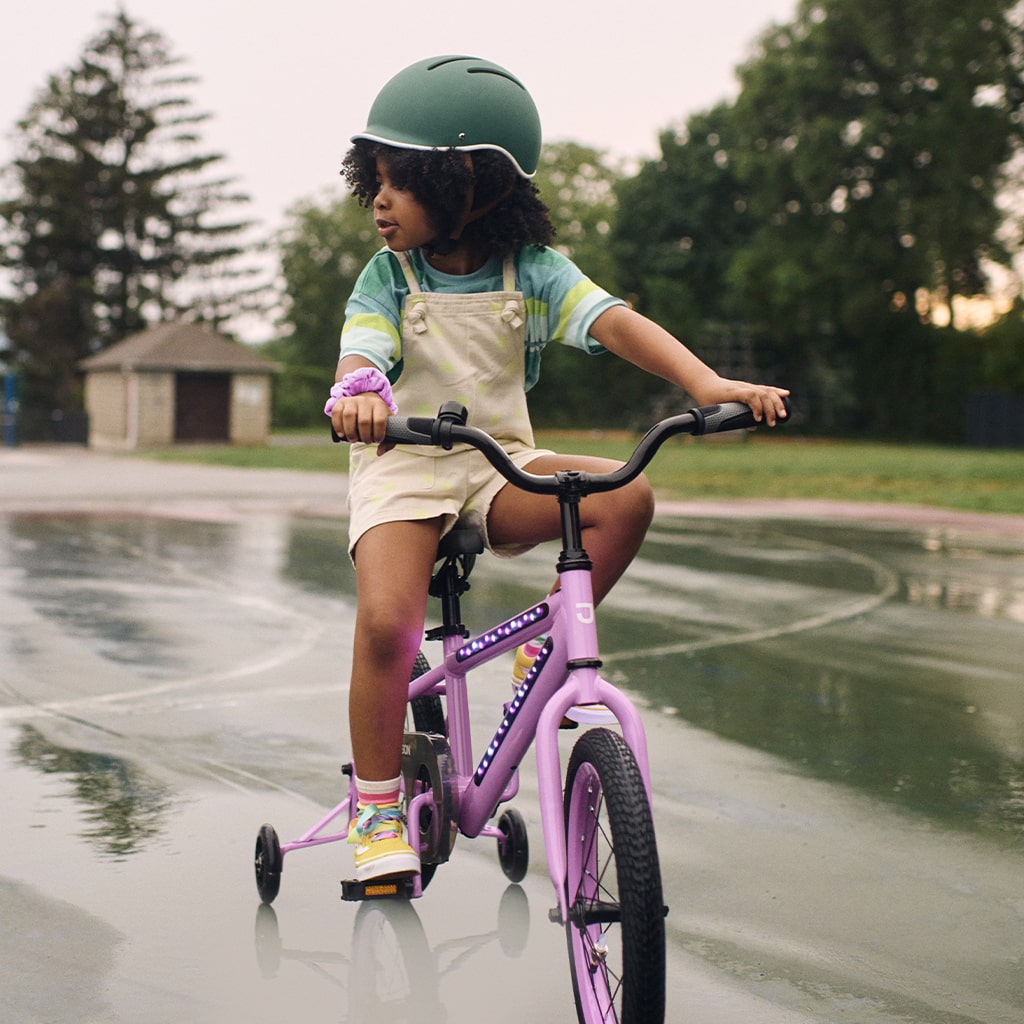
[(584, 685)]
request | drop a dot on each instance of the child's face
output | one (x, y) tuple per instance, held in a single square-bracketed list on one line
[(400, 218)]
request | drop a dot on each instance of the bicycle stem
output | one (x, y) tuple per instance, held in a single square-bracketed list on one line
[(571, 490)]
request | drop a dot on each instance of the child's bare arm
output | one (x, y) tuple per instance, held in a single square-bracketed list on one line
[(645, 344)]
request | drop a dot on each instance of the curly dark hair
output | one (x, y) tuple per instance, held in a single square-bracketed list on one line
[(440, 180)]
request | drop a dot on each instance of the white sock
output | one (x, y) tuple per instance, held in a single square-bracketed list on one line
[(374, 791)]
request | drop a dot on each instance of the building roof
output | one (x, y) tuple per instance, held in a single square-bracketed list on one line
[(178, 346)]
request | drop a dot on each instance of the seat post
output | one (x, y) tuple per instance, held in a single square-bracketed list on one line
[(452, 584), (458, 550)]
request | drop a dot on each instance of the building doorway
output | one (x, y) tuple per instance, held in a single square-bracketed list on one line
[(202, 407)]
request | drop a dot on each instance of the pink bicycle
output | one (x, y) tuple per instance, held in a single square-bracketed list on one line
[(598, 831)]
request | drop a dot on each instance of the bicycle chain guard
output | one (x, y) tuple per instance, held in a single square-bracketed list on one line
[(427, 761)]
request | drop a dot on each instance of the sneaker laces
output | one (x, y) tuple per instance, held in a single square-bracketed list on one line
[(372, 818)]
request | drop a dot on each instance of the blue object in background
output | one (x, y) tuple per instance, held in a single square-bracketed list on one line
[(10, 410)]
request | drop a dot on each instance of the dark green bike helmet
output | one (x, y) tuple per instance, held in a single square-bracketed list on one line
[(462, 103)]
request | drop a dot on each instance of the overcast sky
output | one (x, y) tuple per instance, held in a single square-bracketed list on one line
[(288, 82)]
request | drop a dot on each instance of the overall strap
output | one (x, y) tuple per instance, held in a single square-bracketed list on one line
[(508, 272), (410, 274)]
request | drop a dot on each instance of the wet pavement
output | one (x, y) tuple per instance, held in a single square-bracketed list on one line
[(835, 709)]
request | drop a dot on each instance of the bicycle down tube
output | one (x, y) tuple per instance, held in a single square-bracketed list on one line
[(577, 682)]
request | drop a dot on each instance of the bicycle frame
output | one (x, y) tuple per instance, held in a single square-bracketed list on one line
[(565, 674)]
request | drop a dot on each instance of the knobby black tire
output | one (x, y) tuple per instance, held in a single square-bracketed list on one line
[(616, 928), (427, 712)]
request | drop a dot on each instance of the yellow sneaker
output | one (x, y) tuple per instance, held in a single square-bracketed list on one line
[(588, 714), (380, 849)]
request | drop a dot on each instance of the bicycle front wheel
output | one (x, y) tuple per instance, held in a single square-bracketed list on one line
[(616, 927)]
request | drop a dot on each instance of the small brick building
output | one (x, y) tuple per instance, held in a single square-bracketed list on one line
[(177, 383)]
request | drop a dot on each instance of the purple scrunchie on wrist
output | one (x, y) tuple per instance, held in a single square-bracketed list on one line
[(358, 382)]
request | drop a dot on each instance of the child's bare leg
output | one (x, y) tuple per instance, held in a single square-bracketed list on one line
[(394, 562), (614, 523)]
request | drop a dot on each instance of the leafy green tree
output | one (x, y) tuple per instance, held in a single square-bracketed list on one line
[(1000, 352), (579, 185), (322, 249), (113, 218), (874, 141), (682, 219)]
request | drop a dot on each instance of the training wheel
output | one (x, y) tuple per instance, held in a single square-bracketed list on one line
[(514, 846), (268, 862)]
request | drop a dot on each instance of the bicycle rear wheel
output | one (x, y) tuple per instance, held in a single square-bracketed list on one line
[(427, 712), (427, 716), (616, 927)]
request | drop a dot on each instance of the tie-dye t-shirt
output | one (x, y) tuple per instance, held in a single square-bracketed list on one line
[(561, 304)]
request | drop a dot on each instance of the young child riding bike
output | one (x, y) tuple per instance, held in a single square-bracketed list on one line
[(459, 305)]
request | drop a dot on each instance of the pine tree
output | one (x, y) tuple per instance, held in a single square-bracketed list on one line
[(112, 216)]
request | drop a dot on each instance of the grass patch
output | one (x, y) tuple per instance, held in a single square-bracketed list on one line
[(301, 452), (968, 479), (755, 466)]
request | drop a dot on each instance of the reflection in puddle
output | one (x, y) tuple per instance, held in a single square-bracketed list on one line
[(956, 590), (392, 970), (91, 575), (124, 808), (163, 599), (915, 698)]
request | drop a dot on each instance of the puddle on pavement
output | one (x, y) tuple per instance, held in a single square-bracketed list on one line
[(914, 697), (882, 661), (122, 807)]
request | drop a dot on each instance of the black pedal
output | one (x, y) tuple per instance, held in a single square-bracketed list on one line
[(376, 889)]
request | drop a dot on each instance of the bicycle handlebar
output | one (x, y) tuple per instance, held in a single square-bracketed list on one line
[(448, 429)]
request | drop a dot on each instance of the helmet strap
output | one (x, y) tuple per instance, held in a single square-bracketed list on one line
[(444, 247)]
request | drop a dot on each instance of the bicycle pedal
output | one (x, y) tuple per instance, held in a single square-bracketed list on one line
[(354, 891)]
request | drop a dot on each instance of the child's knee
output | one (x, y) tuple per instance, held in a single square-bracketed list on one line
[(391, 629), (627, 511), (638, 499)]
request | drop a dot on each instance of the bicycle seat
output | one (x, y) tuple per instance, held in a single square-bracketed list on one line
[(461, 540)]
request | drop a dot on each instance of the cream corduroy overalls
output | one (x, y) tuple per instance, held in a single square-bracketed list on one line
[(468, 348)]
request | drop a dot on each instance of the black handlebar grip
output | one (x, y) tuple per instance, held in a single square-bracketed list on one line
[(403, 430), (714, 419), (410, 430)]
